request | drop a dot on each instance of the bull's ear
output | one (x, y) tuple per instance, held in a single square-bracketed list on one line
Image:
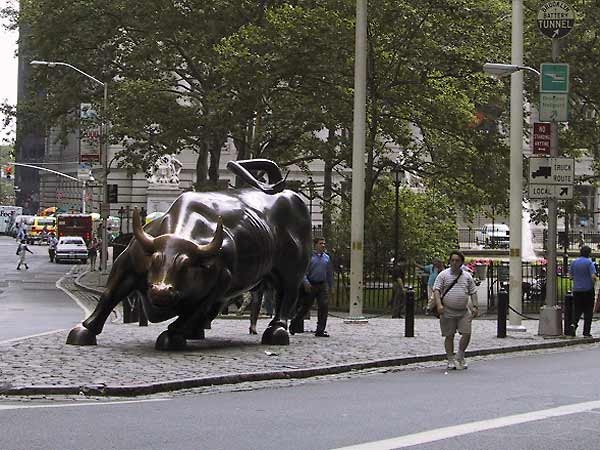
[(146, 241)]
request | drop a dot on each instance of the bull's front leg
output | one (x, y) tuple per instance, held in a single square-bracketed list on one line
[(191, 324), (121, 281)]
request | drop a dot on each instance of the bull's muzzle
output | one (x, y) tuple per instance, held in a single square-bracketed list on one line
[(162, 294)]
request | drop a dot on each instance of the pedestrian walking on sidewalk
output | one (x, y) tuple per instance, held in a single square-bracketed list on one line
[(398, 293), (22, 252), (262, 293), (52, 243), (583, 273), (317, 284), (451, 290), (93, 253)]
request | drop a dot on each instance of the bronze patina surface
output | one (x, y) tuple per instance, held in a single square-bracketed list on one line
[(208, 248)]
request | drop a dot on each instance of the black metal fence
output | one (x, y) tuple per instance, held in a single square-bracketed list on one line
[(533, 287), (378, 289), (378, 286)]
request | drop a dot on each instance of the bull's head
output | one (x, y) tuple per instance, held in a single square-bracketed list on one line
[(176, 266)]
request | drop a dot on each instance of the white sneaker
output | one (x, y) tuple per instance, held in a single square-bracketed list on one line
[(450, 365), (461, 364)]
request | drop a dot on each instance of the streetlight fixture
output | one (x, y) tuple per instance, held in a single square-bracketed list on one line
[(500, 70), (105, 207)]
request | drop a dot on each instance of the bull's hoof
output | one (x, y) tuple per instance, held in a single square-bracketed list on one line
[(170, 341), (196, 335), (80, 335), (275, 335)]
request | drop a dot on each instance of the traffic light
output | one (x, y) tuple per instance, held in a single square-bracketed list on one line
[(8, 172), (113, 193)]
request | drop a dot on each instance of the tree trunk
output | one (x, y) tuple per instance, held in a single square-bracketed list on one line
[(201, 167), (242, 149), (327, 190), (215, 160)]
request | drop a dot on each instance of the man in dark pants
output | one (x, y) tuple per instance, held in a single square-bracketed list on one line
[(317, 284), (583, 273)]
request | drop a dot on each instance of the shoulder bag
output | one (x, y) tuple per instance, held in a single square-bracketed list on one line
[(432, 308)]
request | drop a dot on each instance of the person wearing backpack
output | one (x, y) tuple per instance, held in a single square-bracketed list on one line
[(451, 290), (22, 252)]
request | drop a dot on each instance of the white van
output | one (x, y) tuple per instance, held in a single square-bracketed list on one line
[(493, 235)]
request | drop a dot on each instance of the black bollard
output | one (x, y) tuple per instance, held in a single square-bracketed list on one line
[(143, 319), (129, 313), (502, 312), (568, 318), (409, 312)]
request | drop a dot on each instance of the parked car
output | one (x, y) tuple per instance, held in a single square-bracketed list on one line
[(71, 248), (493, 235)]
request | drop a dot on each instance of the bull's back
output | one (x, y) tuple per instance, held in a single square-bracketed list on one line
[(263, 230)]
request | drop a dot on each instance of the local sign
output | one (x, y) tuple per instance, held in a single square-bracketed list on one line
[(556, 19), (541, 138), (541, 191)]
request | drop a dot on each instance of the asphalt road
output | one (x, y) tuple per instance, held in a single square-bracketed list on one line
[(526, 401), (30, 303)]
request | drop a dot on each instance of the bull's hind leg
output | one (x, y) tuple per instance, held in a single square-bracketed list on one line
[(120, 283), (277, 333)]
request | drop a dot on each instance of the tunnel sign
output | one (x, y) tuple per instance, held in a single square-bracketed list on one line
[(556, 19)]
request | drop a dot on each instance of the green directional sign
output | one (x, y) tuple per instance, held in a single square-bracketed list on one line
[(555, 78), (554, 107)]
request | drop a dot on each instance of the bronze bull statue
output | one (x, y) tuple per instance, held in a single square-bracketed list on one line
[(207, 249)]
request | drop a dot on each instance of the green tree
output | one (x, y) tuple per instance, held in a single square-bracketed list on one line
[(427, 226), (185, 74)]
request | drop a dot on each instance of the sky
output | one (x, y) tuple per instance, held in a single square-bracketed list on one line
[(8, 72)]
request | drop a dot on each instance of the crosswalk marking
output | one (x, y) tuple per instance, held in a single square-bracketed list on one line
[(425, 437)]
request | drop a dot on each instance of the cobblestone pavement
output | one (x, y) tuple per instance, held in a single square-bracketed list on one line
[(125, 362)]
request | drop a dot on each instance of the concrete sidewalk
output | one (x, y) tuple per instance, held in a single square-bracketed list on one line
[(125, 363)]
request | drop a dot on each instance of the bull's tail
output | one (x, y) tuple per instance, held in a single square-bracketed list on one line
[(245, 169)]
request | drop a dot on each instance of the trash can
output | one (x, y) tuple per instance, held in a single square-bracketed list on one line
[(481, 271)]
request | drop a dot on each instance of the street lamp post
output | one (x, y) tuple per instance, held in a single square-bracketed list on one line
[(104, 161), (516, 184), (397, 210), (358, 165)]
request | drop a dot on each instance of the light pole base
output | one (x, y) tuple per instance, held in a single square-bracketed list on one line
[(550, 321), (356, 320), (517, 328)]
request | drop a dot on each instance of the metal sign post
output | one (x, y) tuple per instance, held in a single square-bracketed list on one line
[(555, 20)]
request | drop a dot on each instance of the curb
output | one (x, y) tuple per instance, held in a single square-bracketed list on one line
[(135, 390), (85, 287)]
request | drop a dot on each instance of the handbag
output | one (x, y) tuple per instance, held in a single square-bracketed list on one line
[(432, 307), (597, 304)]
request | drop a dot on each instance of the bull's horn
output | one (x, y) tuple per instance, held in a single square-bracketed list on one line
[(145, 240), (215, 244)]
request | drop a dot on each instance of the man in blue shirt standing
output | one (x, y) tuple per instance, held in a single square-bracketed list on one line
[(317, 284), (583, 273)]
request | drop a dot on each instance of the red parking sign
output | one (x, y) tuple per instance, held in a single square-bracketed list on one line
[(541, 138)]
